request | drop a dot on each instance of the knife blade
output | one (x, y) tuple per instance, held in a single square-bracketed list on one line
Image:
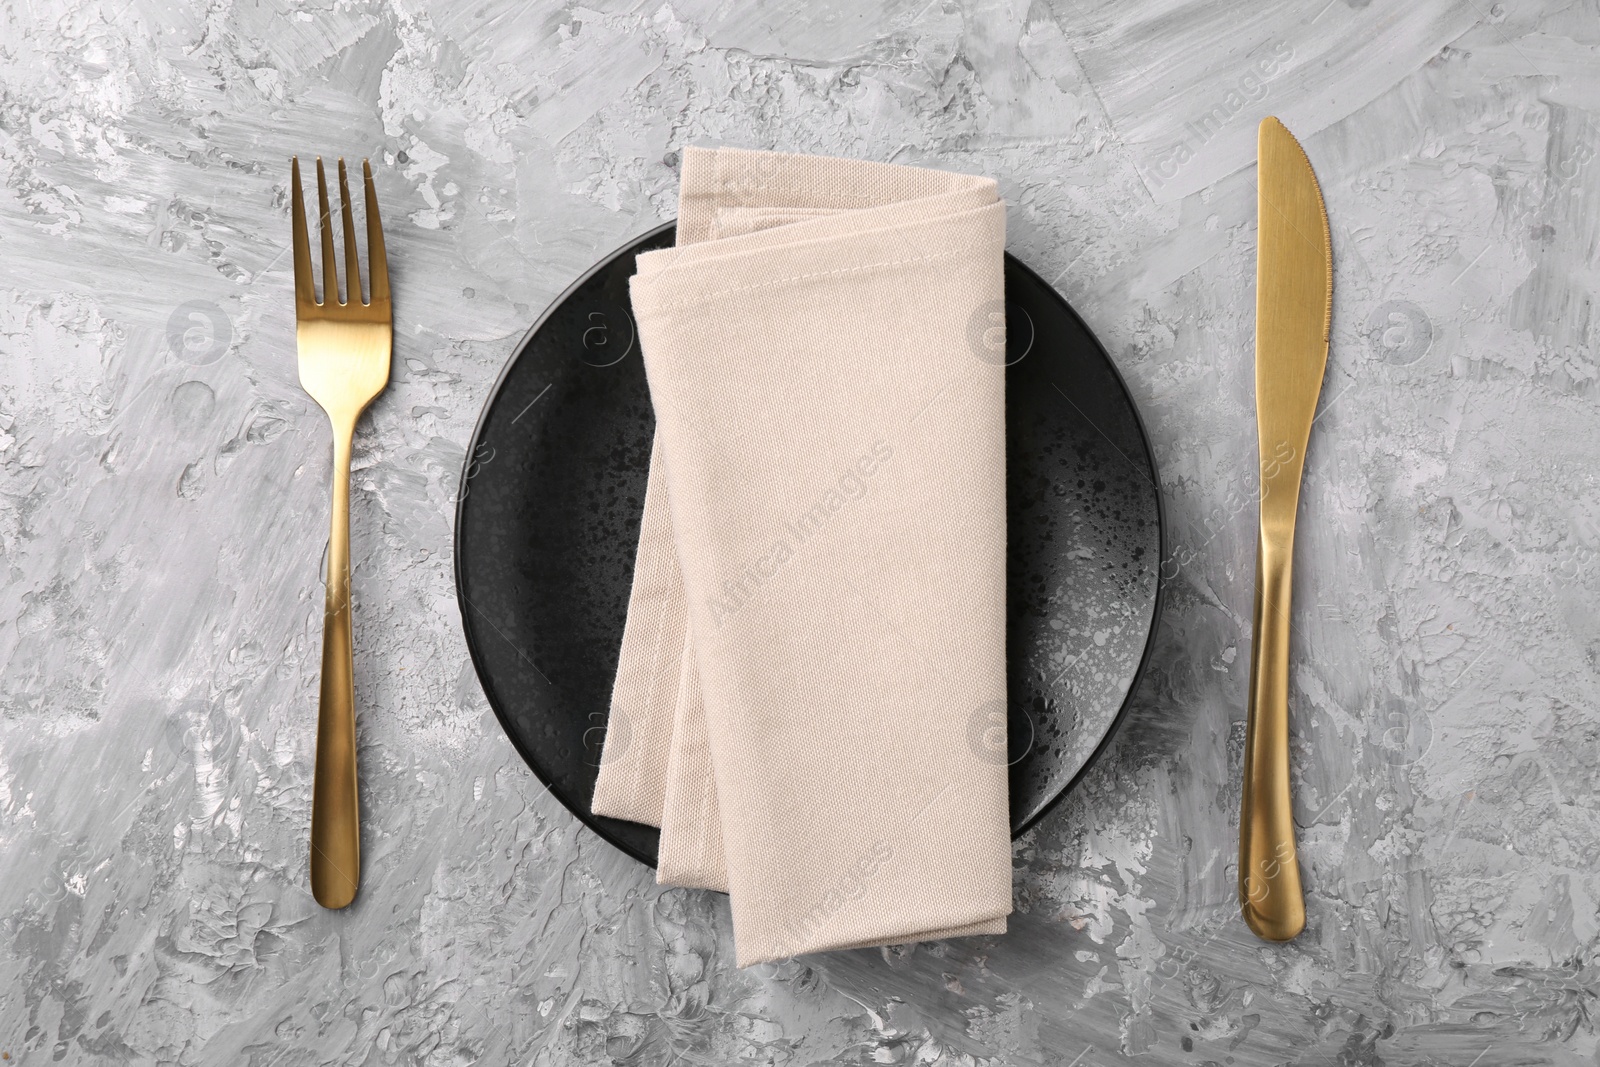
[(1294, 303)]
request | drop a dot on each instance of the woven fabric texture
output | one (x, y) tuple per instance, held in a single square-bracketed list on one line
[(816, 630)]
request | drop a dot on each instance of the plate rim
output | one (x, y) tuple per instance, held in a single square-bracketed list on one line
[(464, 606), (1159, 601)]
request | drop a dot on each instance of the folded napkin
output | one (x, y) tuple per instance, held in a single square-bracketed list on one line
[(806, 696)]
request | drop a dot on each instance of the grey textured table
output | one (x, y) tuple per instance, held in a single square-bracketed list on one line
[(164, 487)]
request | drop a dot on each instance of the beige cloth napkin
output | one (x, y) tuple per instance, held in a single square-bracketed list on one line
[(815, 641)]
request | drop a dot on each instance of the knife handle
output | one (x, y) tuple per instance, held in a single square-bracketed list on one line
[(1270, 897), (335, 811)]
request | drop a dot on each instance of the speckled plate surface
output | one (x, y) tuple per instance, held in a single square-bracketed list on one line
[(547, 523)]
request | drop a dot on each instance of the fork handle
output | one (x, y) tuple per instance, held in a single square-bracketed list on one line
[(1270, 895), (335, 812)]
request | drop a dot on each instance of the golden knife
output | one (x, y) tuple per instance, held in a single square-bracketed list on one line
[(1294, 303)]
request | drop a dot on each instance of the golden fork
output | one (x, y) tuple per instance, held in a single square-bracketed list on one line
[(344, 364)]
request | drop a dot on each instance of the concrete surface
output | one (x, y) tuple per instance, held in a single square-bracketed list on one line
[(164, 488)]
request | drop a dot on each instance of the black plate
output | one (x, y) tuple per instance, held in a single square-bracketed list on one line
[(547, 523)]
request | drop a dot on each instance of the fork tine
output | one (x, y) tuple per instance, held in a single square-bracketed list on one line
[(330, 275), (352, 262), (378, 263), (305, 291)]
